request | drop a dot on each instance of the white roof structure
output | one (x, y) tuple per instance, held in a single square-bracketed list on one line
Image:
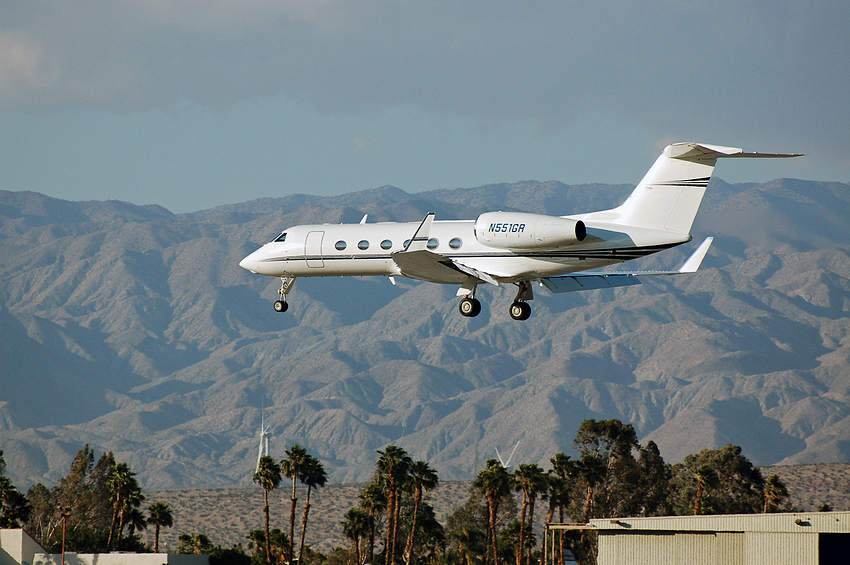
[(816, 538)]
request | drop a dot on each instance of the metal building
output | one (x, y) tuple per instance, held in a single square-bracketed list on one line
[(811, 538)]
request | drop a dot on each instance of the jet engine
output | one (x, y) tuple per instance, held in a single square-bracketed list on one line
[(519, 230)]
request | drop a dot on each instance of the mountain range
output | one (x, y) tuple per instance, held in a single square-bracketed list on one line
[(134, 330)]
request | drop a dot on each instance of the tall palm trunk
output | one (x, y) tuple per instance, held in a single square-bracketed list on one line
[(549, 516), (698, 501), (293, 502), (304, 526), (112, 524), (531, 502), (268, 537), (520, 550), (408, 549), (492, 504), (156, 540)]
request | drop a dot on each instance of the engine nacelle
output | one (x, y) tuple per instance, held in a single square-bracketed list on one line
[(519, 230)]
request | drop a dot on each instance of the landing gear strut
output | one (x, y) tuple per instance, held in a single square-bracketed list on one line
[(520, 309), (469, 306), (285, 286)]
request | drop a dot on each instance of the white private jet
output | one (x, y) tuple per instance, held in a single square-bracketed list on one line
[(516, 248)]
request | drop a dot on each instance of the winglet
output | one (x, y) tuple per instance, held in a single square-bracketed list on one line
[(695, 260), (419, 240)]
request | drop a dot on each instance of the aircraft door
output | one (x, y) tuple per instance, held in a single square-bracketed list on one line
[(313, 249)]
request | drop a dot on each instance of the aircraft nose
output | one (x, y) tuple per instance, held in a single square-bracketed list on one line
[(250, 263)]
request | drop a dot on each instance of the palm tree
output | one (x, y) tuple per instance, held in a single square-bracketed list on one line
[(706, 478), (392, 468), (159, 515), (314, 476), (125, 493), (422, 478), (531, 480), (774, 492), (292, 467), (268, 477), (130, 508), (354, 527), (374, 501), (136, 521), (493, 482)]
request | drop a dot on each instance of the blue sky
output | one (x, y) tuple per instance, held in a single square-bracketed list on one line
[(191, 104)]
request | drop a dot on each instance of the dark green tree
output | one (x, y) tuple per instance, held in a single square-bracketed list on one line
[(652, 495), (529, 479), (125, 494), (775, 492), (292, 467), (421, 478), (84, 496), (355, 527), (391, 473), (313, 476), (373, 501), (14, 507), (739, 489), (268, 477), (159, 516), (559, 491), (494, 482)]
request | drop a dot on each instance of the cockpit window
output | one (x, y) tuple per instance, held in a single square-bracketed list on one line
[(281, 237)]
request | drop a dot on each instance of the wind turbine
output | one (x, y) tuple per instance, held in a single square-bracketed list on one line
[(507, 463), (264, 441)]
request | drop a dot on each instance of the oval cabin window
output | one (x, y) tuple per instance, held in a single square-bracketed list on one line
[(340, 246), (363, 245)]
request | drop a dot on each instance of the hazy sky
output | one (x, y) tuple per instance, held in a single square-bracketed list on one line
[(196, 103)]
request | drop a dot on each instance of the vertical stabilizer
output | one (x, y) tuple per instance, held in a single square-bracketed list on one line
[(669, 196)]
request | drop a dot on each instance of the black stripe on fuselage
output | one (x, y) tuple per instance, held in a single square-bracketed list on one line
[(624, 254)]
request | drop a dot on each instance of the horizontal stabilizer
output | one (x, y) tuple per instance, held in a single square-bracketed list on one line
[(704, 152), (610, 279)]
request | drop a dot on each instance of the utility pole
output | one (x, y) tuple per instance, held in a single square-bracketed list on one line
[(65, 513)]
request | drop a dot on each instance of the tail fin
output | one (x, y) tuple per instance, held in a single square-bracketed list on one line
[(669, 196)]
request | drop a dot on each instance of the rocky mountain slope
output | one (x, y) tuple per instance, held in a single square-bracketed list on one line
[(134, 330)]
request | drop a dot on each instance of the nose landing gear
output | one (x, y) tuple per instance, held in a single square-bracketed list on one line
[(285, 286)]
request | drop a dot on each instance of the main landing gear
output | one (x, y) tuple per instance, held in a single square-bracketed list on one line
[(285, 286), (520, 309), (469, 307)]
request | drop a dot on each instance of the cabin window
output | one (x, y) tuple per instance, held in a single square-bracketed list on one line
[(455, 243), (340, 246), (363, 245), (433, 243), (386, 244), (406, 243), (281, 237)]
